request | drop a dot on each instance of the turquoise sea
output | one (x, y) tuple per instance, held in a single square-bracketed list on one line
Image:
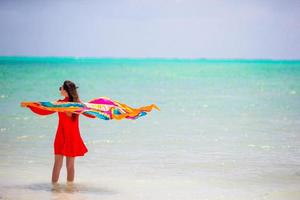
[(227, 129)]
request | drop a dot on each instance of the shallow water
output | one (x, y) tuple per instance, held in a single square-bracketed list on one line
[(226, 129)]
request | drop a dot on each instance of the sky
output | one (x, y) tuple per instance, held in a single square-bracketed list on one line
[(217, 29)]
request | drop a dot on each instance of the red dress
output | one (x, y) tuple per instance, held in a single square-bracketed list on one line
[(68, 141)]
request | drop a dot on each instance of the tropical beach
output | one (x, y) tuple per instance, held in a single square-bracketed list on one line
[(226, 129), (229, 118)]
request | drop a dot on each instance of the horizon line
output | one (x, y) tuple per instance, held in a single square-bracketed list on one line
[(78, 58)]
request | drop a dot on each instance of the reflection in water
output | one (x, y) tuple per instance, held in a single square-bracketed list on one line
[(58, 190), (69, 188)]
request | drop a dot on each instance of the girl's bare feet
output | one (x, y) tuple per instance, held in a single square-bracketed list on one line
[(56, 187)]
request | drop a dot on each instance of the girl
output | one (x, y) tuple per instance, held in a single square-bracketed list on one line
[(68, 141)]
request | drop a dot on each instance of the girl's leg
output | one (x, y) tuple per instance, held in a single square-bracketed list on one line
[(57, 167), (70, 168)]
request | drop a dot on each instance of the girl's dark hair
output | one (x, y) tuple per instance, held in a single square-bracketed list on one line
[(70, 88)]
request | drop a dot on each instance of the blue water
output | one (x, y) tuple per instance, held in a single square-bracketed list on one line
[(227, 129)]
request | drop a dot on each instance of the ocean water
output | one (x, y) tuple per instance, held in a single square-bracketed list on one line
[(227, 129)]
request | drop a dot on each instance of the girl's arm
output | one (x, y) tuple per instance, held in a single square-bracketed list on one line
[(87, 115), (40, 111)]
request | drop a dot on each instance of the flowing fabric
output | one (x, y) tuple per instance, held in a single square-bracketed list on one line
[(102, 108)]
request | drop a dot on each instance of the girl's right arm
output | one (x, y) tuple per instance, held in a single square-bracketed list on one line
[(40, 111)]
